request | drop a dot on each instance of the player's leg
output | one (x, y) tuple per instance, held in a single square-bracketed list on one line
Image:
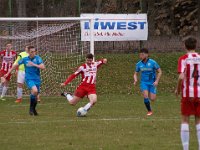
[(72, 99), (185, 132), (4, 83), (187, 109), (33, 97), (93, 99), (92, 96), (78, 95), (197, 121), (145, 91), (4, 89), (2, 80), (152, 92), (20, 83)]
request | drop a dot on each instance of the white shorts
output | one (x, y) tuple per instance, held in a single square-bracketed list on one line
[(20, 76)]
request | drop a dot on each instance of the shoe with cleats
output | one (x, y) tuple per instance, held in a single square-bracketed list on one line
[(19, 100), (149, 113), (65, 94)]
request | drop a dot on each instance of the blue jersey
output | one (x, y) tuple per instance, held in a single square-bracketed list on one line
[(31, 72), (148, 70)]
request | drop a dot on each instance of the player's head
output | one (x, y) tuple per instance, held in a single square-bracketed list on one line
[(8, 46), (144, 53), (32, 51), (89, 58), (190, 43)]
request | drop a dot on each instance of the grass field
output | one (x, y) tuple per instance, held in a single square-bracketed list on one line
[(116, 122)]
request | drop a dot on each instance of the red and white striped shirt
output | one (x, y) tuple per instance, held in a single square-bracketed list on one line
[(189, 64), (7, 59), (88, 73)]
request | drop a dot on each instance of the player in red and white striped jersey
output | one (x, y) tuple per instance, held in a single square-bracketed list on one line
[(189, 86), (8, 56), (87, 86)]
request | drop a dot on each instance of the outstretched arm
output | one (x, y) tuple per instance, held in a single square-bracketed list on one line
[(68, 80), (71, 77)]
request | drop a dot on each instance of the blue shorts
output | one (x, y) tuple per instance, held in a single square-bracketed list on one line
[(149, 87), (32, 83)]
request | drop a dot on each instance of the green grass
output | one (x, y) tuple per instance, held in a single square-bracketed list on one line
[(116, 122)]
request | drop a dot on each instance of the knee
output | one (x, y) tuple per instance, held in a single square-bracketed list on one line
[(72, 103), (93, 101), (35, 92), (153, 99)]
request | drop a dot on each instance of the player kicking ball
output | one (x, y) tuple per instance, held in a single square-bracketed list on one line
[(87, 87), (148, 81)]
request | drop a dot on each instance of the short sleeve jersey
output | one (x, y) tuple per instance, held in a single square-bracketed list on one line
[(89, 73), (31, 72), (189, 64), (148, 70)]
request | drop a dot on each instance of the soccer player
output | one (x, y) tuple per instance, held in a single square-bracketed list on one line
[(8, 56), (189, 87), (21, 76), (33, 63), (148, 81), (87, 87)]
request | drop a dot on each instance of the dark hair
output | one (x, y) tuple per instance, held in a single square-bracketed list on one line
[(89, 56), (144, 50), (30, 47), (190, 43)]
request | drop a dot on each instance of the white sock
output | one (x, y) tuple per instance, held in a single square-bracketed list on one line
[(4, 90), (19, 92), (198, 134), (185, 136), (87, 106), (68, 96)]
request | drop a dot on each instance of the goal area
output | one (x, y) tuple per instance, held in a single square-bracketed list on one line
[(58, 43)]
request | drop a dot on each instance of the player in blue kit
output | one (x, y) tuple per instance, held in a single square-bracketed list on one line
[(148, 81), (33, 63)]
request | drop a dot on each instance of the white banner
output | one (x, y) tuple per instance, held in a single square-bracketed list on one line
[(115, 27)]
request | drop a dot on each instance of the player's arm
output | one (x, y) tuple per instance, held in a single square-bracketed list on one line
[(179, 83), (39, 64), (158, 77), (101, 62), (135, 78), (13, 68), (71, 77)]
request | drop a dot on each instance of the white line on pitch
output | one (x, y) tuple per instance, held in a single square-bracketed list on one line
[(88, 120)]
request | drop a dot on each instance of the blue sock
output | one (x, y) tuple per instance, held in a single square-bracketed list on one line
[(33, 102), (147, 104)]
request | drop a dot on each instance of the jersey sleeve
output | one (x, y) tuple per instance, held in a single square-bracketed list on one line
[(156, 65), (99, 63), (137, 68), (181, 65), (40, 61), (75, 74)]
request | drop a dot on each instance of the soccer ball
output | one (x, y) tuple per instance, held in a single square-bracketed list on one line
[(81, 112)]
